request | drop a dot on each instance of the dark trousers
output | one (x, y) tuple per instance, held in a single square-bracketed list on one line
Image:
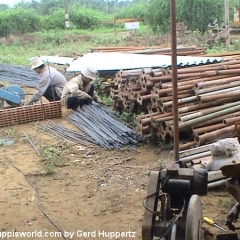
[(51, 94)]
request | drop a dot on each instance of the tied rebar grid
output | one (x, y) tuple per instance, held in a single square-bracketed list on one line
[(32, 113), (104, 127)]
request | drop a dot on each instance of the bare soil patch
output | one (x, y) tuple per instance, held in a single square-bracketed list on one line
[(89, 188)]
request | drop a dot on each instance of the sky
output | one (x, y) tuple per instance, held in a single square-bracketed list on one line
[(11, 2)]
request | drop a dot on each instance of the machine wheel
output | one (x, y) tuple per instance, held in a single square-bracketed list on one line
[(14, 89), (194, 219), (151, 204)]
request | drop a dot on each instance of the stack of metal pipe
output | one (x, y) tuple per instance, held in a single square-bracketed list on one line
[(164, 50), (208, 100)]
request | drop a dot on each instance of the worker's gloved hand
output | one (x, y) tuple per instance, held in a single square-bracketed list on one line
[(101, 103), (233, 213), (89, 97)]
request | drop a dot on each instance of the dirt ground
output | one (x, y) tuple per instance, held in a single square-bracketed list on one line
[(84, 189), (88, 189)]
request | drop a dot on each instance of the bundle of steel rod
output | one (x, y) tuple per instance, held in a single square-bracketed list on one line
[(20, 75), (181, 51), (208, 100), (66, 134), (31, 113), (103, 127)]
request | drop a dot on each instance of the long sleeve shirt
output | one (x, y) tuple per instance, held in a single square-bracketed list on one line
[(49, 77), (76, 88)]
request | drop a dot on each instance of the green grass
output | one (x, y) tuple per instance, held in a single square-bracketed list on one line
[(20, 49)]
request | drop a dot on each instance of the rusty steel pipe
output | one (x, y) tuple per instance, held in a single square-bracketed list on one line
[(214, 135), (217, 119), (231, 121), (185, 81), (197, 131), (146, 87), (199, 85), (191, 123), (209, 68), (195, 150), (135, 94), (187, 145), (168, 104), (208, 98), (203, 74), (147, 115), (204, 112), (141, 99), (198, 106), (165, 91), (216, 88), (151, 79), (230, 89), (162, 119)]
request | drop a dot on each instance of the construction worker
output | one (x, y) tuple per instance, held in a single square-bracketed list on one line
[(80, 90), (51, 82)]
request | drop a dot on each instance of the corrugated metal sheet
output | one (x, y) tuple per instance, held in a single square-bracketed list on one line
[(126, 61), (56, 60)]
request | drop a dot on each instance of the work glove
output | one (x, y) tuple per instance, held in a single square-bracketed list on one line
[(101, 103)]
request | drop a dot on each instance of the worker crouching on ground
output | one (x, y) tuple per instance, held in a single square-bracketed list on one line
[(80, 90), (51, 82)]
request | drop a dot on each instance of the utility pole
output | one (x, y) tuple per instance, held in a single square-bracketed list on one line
[(226, 3), (66, 19)]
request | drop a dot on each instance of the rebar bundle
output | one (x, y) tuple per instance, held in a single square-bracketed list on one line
[(20, 75), (103, 127), (67, 134)]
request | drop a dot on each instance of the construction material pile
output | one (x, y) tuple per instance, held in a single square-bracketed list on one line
[(103, 127), (66, 134), (163, 50), (208, 100), (20, 75)]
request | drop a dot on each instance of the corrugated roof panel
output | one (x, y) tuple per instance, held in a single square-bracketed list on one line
[(55, 59), (126, 61)]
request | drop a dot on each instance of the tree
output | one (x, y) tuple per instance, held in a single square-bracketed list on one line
[(158, 15), (4, 7), (197, 14)]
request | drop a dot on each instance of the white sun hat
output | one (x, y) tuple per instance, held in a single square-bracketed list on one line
[(88, 72), (37, 62)]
